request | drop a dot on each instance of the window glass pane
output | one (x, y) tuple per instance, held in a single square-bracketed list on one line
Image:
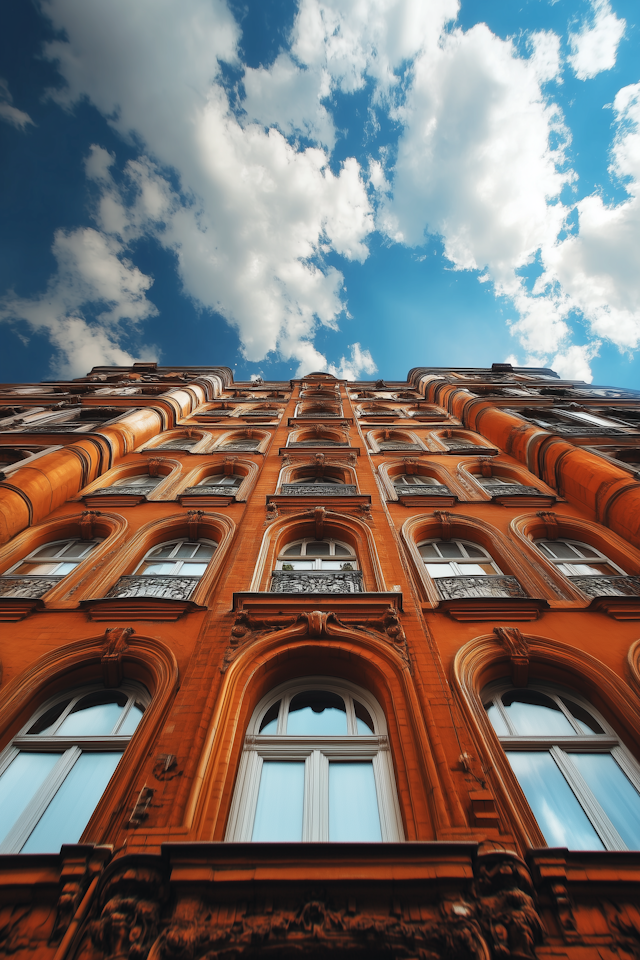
[(337, 565), (18, 784), (68, 813), (186, 550), (131, 721), (428, 551), (163, 552), (563, 551), (48, 719), (560, 817), (535, 715), (193, 569), (65, 568), (298, 565), (205, 551), (614, 792), (156, 569), (497, 720), (280, 801), (49, 550), (440, 570), (474, 551), (142, 479), (364, 723), (342, 551), (449, 549), (94, 715), (76, 550), (29, 569), (584, 720), (317, 713), (318, 549), (585, 550), (353, 803), (476, 570), (269, 723), (293, 551)]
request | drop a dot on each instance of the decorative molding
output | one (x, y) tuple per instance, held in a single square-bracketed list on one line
[(88, 523), (166, 587), (310, 581), (517, 648), (494, 586), (26, 588), (115, 644)]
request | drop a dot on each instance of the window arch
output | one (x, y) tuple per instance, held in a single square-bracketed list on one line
[(316, 767), (49, 562), (55, 770), (582, 785)]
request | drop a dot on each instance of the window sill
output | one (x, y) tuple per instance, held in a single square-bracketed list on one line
[(137, 608), (369, 605), (205, 496), (110, 498), (478, 609)]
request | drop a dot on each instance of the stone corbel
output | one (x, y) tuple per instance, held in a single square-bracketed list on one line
[(113, 646), (444, 519), (87, 523), (228, 465), (410, 465), (485, 467), (319, 517), (517, 648), (551, 523), (154, 467), (194, 522)]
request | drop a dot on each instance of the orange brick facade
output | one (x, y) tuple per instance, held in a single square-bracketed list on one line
[(439, 495)]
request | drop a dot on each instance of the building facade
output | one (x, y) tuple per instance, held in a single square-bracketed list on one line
[(319, 668)]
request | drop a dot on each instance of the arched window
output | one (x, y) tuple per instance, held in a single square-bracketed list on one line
[(415, 480), (183, 558), (179, 443), (317, 566), (55, 771), (316, 767), (142, 481), (43, 567), (242, 443), (323, 480), (456, 558), (169, 570), (583, 787), (221, 480), (576, 559)]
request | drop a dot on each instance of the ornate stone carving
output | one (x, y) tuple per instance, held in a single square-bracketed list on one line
[(170, 588), (342, 581), (423, 490), (518, 649), (460, 588), (114, 645), (318, 489), (129, 907), (608, 586), (272, 512), (88, 523), (30, 588), (194, 523), (135, 490), (215, 490), (445, 523), (506, 910)]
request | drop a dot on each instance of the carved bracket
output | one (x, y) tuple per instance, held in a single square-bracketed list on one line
[(154, 466), (194, 521), (445, 523), (113, 646), (87, 523), (551, 522), (517, 648)]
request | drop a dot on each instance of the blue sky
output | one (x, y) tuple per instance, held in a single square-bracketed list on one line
[(353, 185)]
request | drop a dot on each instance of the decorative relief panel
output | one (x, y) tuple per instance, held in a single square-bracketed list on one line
[(459, 588), (347, 581), (169, 588), (27, 587), (318, 489), (423, 489), (608, 586)]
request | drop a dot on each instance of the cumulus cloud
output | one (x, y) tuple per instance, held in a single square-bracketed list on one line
[(9, 113), (252, 215), (96, 297), (595, 46)]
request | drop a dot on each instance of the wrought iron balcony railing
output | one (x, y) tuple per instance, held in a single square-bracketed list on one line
[(214, 490), (512, 490), (608, 586), (318, 489), (167, 587), (136, 489), (27, 588), (423, 490), (461, 588), (316, 581)]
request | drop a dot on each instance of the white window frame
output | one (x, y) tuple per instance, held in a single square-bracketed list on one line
[(416, 480), (561, 748), (14, 570), (179, 562), (311, 480), (570, 569), (352, 559), (316, 752), (458, 565), (138, 480), (70, 750), (221, 480)]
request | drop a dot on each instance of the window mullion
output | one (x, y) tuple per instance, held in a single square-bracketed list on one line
[(26, 823), (315, 820), (600, 821)]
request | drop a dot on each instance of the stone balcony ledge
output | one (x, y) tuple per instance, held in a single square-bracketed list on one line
[(318, 489), (608, 586), (165, 587)]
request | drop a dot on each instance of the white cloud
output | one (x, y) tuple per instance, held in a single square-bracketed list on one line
[(599, 267), (573, 363), (92, 275), (594, 48), (254, 214), (9, 113), (351, 368)]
